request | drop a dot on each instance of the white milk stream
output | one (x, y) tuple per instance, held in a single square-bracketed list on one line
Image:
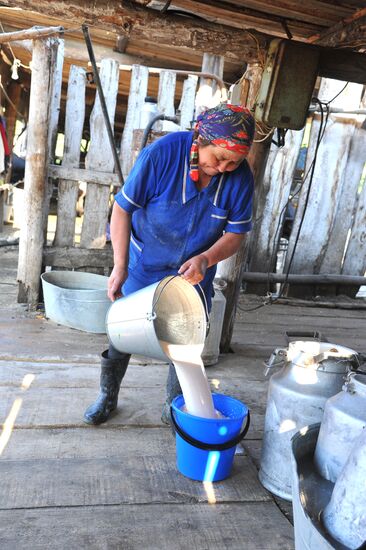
[(192, 378)]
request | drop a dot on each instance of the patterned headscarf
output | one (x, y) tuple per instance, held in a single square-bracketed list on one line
[(228, 126)]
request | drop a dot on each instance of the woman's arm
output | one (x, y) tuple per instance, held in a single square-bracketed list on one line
[(194, 269), (120, 237)]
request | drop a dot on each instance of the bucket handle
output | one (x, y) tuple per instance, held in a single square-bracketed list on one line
[(312, 334), (210, 446)]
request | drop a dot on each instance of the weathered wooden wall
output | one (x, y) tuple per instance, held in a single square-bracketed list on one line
[(331, 198)]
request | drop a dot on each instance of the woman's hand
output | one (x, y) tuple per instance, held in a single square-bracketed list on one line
[(194, 269), (115, 281)]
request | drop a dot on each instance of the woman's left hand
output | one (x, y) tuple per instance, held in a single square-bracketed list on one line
[(194, 269)]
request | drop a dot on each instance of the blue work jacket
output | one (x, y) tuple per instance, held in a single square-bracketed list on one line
[(171, 220)]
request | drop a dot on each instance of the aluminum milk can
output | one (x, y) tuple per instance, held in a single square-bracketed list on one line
[(312, 371), (344, 516), (343, 421)]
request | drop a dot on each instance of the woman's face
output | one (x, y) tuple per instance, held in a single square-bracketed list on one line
[(213, 160)]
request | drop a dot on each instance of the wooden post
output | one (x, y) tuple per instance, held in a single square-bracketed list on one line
[(68, 189), (232, 268), (32, 234)]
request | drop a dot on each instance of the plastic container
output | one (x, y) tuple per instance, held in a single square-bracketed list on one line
[(211, 350), (76, 299), (205, 447)]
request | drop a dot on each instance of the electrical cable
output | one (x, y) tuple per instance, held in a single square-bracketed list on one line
[(269, 299)]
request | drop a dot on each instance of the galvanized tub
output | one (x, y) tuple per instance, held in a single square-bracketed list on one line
[(312, 371), (343, 421), (310, 494), (76, 299)]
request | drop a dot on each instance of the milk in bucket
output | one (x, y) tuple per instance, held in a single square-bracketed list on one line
[(166, 320)]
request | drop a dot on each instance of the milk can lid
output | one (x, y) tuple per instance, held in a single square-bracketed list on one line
[(323, 356)]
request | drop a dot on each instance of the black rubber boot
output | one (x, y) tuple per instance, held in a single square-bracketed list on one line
[(172, 390), (113, 367)]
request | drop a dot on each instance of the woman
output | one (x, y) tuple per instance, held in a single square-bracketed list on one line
[(185, 206)]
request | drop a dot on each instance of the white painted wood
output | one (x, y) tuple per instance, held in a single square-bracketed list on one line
[(82, 175), (167, 81), (277, 181), (325, 202), (208, 94), (186, 105), (100, 158), (56, 97), (55, 91), (346, 213), (68, 190), (138, 92), (32, 230), (355, 257)]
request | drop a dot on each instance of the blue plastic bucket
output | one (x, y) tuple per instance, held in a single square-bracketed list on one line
[(206, 446)]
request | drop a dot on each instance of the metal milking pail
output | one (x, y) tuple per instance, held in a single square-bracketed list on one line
[(343, 421), (311, 372), (170, 310)]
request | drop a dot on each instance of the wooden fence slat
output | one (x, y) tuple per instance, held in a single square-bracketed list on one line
[(186, 106), (68, 190), (100, 158), (325, 195), (32, 230), (55, 91), (80, 174), (334, 253), (138, 92), (355, 257), (167, 82), (277, 181), (77, 258)]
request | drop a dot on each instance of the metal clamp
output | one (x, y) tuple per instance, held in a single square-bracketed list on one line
[(277, 359)]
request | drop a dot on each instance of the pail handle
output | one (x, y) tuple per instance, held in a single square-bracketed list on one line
[(314, 335), (210, 446)]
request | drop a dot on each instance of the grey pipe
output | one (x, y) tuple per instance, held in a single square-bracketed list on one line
[(151, 124)]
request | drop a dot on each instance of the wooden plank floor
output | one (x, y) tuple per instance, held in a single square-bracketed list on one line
[(66, 485)]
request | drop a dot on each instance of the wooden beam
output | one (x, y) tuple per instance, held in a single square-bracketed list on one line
[(343, 64), (69, 257), (140, 23), (80, 174), (241, 17), (350, 32), (30, 34)]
